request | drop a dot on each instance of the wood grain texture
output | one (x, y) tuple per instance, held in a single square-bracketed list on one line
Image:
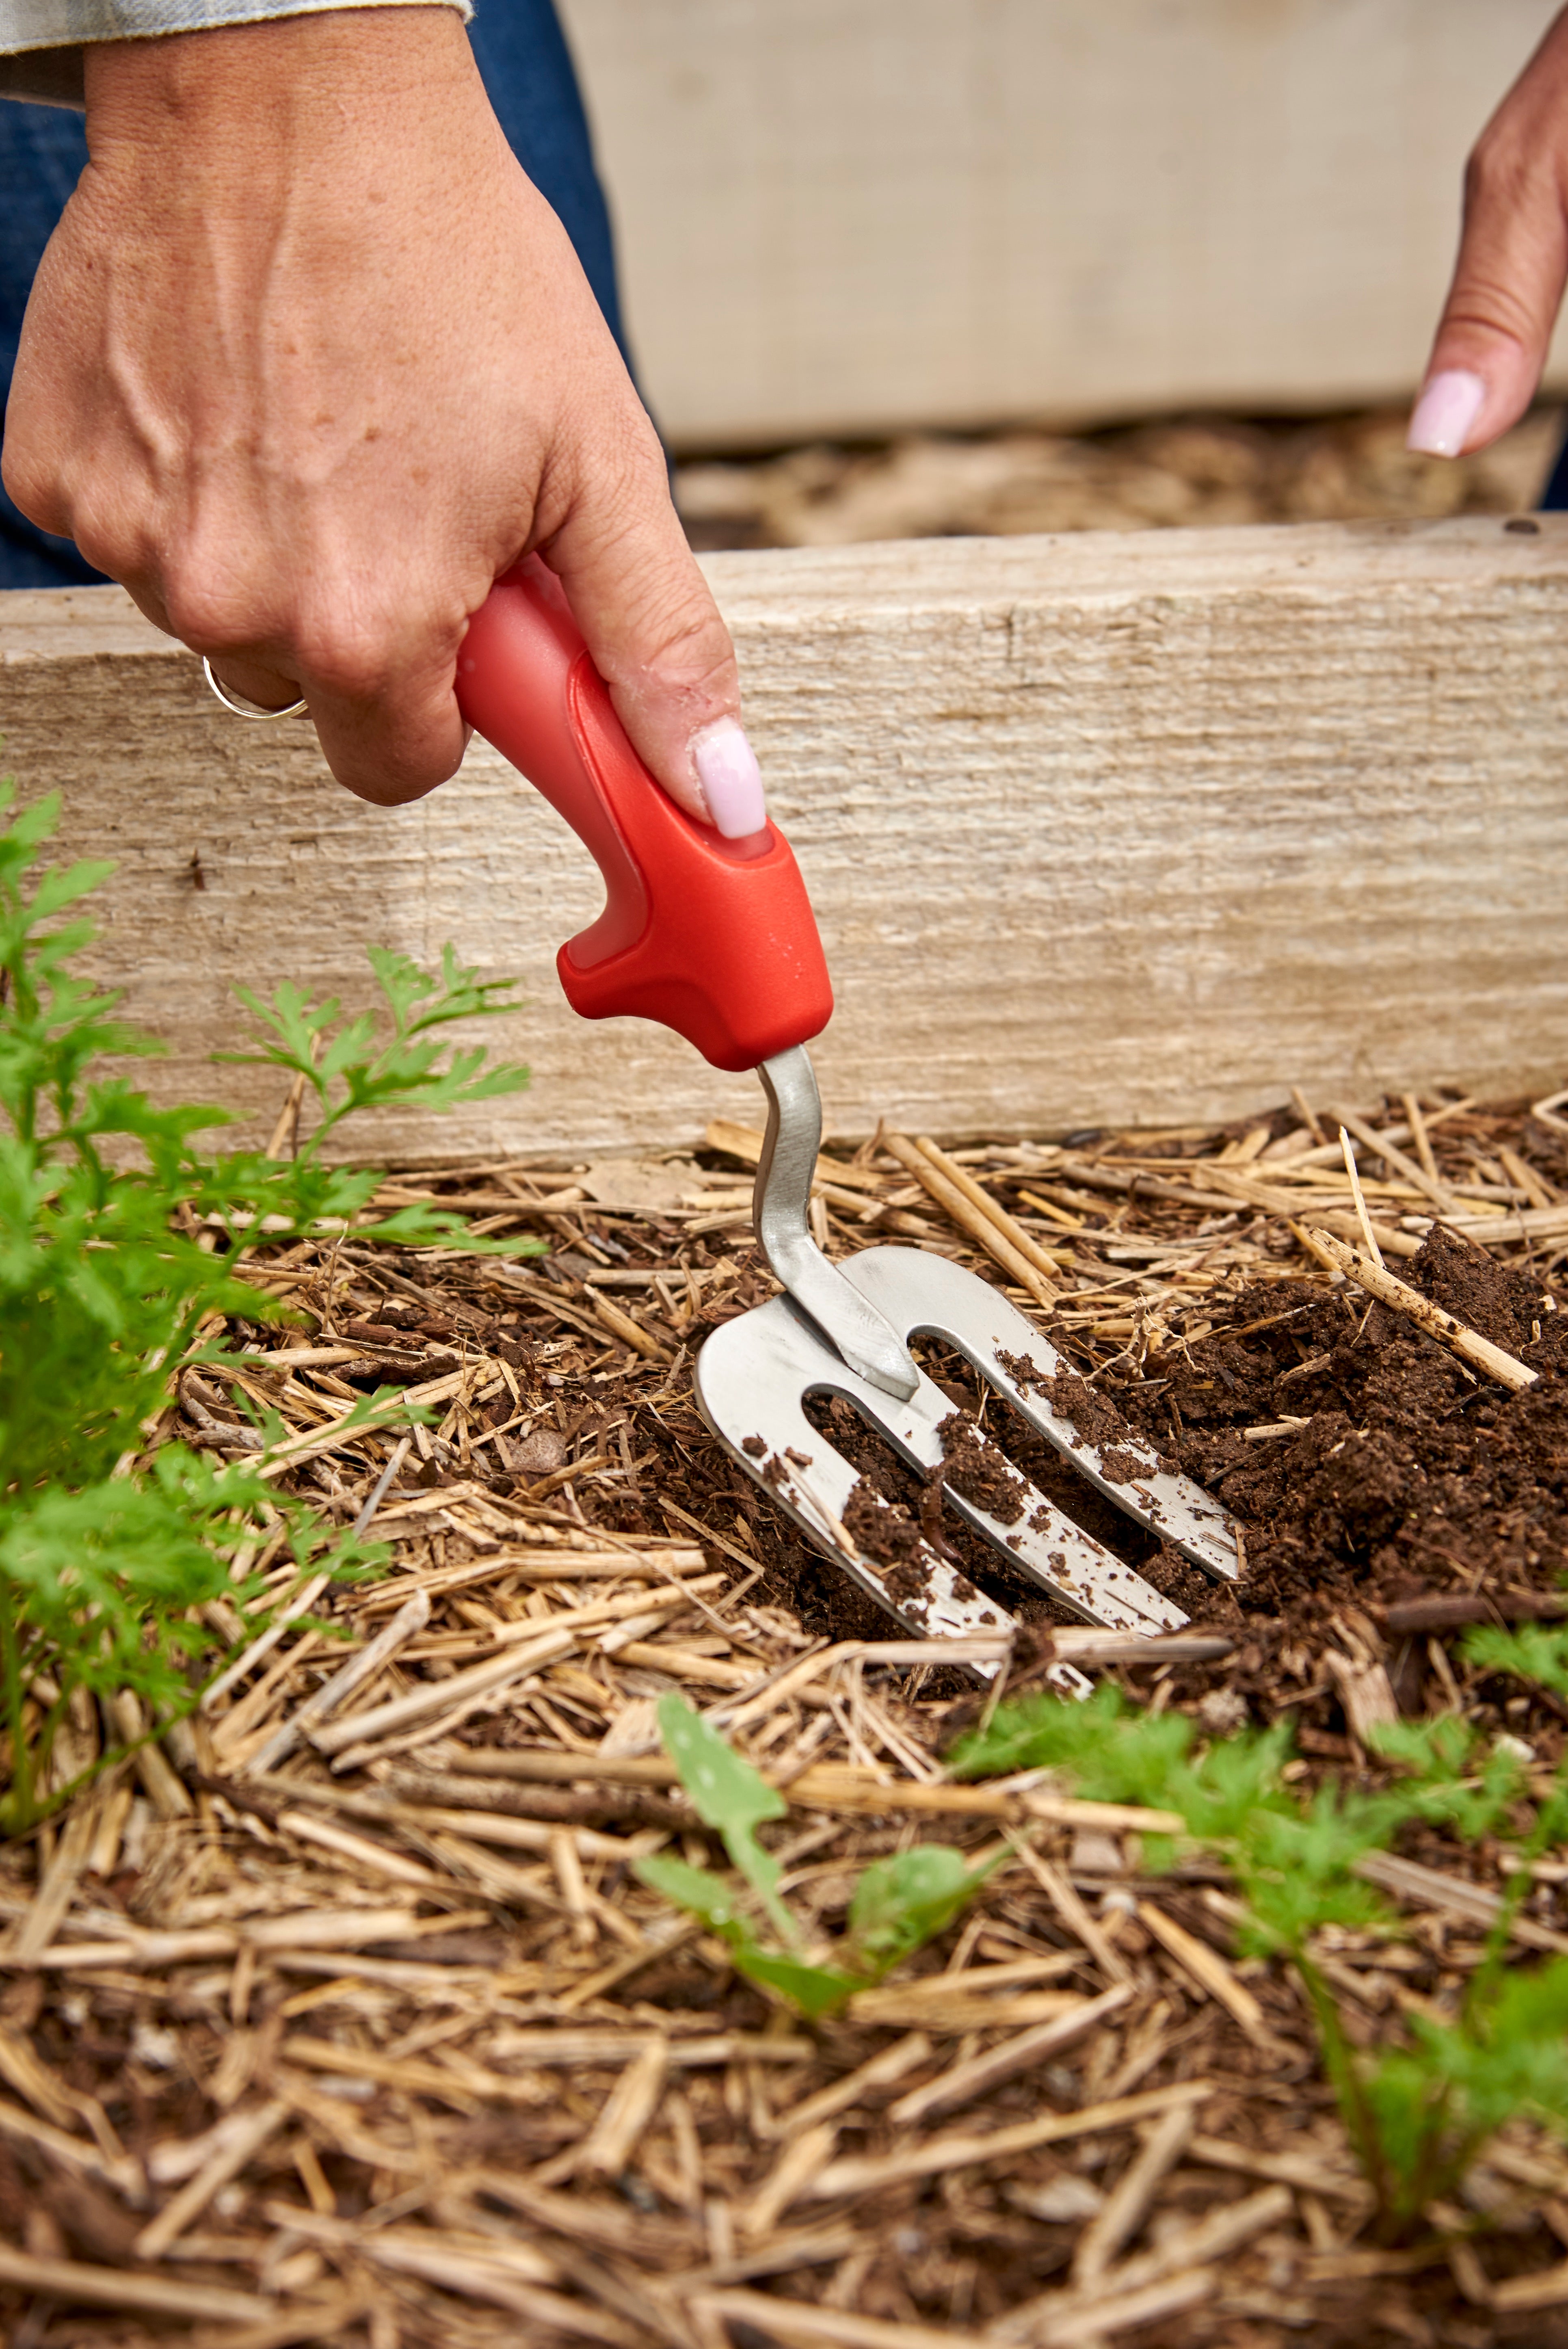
[(1098, 828), (856, 216)]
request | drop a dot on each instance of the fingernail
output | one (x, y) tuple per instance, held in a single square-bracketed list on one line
[(1445, 413), (731, 783)]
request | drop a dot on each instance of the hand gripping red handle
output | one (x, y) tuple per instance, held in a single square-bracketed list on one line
[(714, 937)]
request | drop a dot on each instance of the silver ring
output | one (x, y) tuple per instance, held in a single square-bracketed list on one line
[(241, 708)]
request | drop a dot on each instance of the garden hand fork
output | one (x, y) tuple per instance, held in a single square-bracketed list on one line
[(715, 938)]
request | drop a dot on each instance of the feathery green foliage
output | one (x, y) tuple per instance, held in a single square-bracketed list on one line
[(359, 1068), (109, 1272), (1416, 2114)]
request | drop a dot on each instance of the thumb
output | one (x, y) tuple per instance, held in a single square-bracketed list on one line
[(1512, 264), (656, 638)]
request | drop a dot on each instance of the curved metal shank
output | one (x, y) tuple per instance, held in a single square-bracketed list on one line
[(867, 1343)]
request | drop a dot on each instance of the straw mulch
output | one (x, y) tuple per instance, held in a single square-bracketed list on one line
[(341, 2017), (1189, 472)]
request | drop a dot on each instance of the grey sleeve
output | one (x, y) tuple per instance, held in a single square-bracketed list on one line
[(41, 41)]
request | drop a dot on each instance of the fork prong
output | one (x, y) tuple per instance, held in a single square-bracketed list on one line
[(752, 1377), (1058, 1555)]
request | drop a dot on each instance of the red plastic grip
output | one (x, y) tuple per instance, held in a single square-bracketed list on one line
[(713, 937)]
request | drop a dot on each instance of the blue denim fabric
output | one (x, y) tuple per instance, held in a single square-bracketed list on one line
[(1555, 496), (527, 72), (42, 151)]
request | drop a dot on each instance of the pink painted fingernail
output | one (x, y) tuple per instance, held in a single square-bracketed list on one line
[(731, 783), (1445, 412)]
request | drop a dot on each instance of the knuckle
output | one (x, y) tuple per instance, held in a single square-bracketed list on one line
[(32, 486), (346, 661), (1492, 310), (110, 540), (211, 606), (692, 648), (197, 622), (1505, 174), (372, 649)]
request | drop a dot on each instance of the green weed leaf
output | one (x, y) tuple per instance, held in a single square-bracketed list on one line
[(898, 1905), (116, 1228), (730, 1796), (363, 1063), (1533, 1652), (697, 1890), (1416, 2114), (815, 1990)]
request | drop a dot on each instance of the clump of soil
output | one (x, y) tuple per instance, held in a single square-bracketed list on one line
[(978, 1471), (1091, 1412), (884, 1529)]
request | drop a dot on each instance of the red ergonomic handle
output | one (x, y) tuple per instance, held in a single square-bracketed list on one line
[(714, 937)]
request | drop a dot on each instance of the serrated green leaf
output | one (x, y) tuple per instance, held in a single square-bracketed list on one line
[(903, 1902), (1536, 1652), (104, 1289)]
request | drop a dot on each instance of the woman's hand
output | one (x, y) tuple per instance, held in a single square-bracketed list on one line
[(1513, 264), (309, 362)]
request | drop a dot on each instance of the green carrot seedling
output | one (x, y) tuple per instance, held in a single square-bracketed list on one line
[(1416, 2114), (898, 1904), (107, 1558), (359, 1068)]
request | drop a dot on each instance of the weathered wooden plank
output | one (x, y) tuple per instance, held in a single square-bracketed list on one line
[(856, 216), (1098, 828)]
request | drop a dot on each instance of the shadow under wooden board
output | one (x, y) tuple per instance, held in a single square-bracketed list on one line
[(1115, 827)]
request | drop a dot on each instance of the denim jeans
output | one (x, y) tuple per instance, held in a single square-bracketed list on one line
[(1555, 496), (527, 69)]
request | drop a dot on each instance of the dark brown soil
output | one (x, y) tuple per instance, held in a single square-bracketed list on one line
[(1409, 1468), (1408, 1475), (979, 1472)]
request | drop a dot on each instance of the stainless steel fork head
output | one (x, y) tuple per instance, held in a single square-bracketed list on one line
[(755, 1373)]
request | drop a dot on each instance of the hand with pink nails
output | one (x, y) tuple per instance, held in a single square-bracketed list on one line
[(309, 363), (1508, 281)]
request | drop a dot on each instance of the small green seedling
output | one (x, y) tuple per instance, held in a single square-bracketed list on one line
[(898, 1905), (728, 1794), (117, 1244), (1416, 2114)]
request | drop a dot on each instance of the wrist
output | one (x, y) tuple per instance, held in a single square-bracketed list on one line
[(314, 56)]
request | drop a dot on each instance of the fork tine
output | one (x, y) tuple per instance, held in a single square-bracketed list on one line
[(752, 1376)]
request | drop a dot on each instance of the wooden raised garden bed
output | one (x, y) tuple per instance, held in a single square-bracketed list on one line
[(348, 2020)]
